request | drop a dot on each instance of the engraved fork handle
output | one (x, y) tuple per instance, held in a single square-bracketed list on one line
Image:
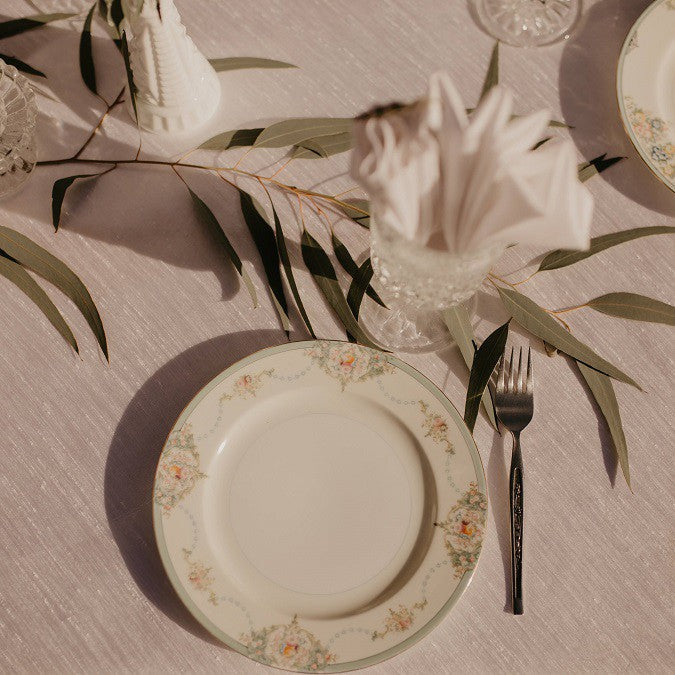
[(516, 502)]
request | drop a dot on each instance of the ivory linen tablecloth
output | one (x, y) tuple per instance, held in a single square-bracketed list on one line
[(82, 589)]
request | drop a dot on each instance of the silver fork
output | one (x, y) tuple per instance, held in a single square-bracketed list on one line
[(514, 405)]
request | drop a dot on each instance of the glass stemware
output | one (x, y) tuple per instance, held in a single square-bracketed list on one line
[(528, 23), (18, 113), (416, 284)]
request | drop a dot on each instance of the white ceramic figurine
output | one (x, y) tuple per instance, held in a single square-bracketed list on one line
[(177, 88)]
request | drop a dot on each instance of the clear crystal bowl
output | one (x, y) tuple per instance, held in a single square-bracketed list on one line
[(18, 114), (417, 283)]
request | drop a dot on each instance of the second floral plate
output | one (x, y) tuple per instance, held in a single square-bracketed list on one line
[(320, 506), (646, 88)]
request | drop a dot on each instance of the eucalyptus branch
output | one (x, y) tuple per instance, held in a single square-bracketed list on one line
[(118, 98)]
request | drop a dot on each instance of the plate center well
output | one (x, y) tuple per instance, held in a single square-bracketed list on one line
[(319, 503)]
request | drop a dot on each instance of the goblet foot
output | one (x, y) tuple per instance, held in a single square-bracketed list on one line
[(528, 23), (405, 329)]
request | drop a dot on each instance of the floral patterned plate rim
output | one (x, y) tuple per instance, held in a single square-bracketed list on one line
[(319, 506), (645, 86)]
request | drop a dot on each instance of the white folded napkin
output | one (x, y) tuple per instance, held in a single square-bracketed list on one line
[(459, 183)]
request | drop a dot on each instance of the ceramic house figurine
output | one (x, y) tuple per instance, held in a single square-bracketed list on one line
[(177, 89)]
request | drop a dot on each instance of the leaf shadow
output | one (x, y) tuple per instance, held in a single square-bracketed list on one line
[(498, 486), (134, 451), (609, 456), (587, 90)]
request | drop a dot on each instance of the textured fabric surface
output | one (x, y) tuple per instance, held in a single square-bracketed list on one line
[(81, 586)]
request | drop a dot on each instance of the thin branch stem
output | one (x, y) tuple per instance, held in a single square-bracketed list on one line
[(344, 192), (98, 126), (217, 169), (281, 168), (498, 278), (569, 309), (517, 283)]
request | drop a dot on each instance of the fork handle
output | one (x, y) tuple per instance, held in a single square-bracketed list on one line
[(516, 503)]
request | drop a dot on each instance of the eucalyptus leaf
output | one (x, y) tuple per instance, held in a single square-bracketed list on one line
[(634, 306), (297, 130), (288, 269), (562, 257), (358, 210), (130, 74), (240, 62), (232, 139), (59, 190), (20, 278), (21, 65), (357, 289), (117, 15), (207, 218), (323, 146), (34, 257), (26, 23), (87, 69), (597, 165), (459, 324), (344, 257), (492, 75), (533, 318), (603, 392), (265, 241), (321, 268), (484, 362)]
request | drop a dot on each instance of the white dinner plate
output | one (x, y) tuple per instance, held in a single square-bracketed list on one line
[(646, 88), (319, 506)]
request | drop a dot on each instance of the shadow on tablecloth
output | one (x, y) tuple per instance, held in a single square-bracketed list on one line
[(588, 101), (134, 452)]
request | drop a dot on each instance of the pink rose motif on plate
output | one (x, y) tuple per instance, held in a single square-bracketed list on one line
[(463, 529), (287, 646), (178, 469)]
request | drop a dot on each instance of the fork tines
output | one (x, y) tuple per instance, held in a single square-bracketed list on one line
[(510, 379)]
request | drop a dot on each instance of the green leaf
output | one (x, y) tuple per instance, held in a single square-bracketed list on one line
[(562, 257), (21, 65), (207, 218), (17, 26), (357, 289), (266, 243), (87, 69), (59, 193), (117, 15), (297, 130), (595, 166), (484, 362), (459, 324), (536, 320), (634, 306), (232, 139), (321, 268), (288, 269), (130, 74), (492, 75), (344, 257), (603, 392), (19, 277), (34, 257), (323, 146), (240, 62), (358, 210)]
